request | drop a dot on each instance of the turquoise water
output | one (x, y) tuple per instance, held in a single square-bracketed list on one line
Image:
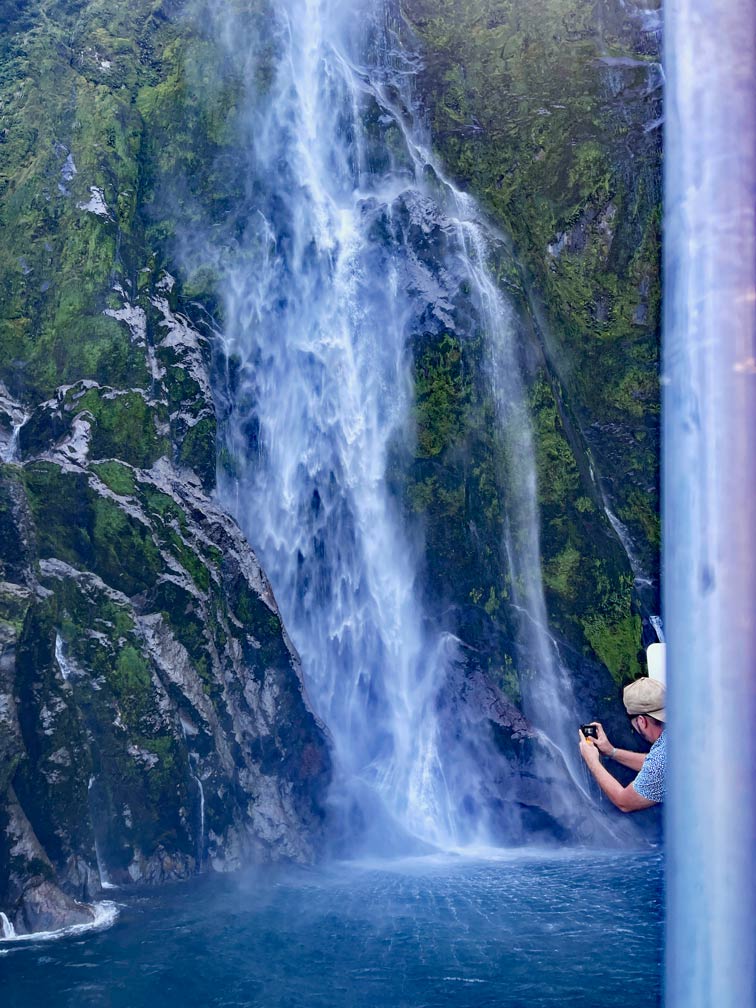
[(542, 931)]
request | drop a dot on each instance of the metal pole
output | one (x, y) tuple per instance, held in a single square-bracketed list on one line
[(709, 501)]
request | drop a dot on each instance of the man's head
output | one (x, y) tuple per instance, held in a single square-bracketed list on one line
[(644, 702)]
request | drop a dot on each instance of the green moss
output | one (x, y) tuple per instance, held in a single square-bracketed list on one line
[(198, 450), (508, 680), (119, 478), (88, 531), (124, 427), (440, 394), (59, 504), (642, 509), (560, 574), (131, 671), (525, 115), (612, 627), (58, 260), (172, 532), (125, 554), (182, 613), (558, 478), (615, 642), (263, 625), (202, 284)]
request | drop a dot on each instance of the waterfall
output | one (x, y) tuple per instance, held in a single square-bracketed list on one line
[(102, 870), (201, 838), (8, 931), (65, 668), (10, 451), (547, 693), (188, 730), (353, 241)]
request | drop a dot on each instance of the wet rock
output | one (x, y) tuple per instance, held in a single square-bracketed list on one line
[(151, 705), (44, 907)]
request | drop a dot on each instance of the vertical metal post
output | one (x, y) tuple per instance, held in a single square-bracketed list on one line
[(709, 501)]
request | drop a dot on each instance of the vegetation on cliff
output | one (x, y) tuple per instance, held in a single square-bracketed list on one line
[(549, 114), (151, 712), (151, 708)]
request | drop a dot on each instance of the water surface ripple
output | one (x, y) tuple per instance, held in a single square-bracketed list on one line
[(542, 931)]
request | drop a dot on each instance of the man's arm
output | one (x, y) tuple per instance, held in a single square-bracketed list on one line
[(627, 798), (628, 758)]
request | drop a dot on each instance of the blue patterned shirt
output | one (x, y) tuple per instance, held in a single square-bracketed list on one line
[(650, 781)]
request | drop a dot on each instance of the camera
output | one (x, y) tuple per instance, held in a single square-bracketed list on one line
[(589, 730)]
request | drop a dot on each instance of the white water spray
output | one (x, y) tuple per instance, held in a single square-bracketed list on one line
[(104, 913), (356, 241), (325, 379), (10, 451), (188, 730), (547, 692)]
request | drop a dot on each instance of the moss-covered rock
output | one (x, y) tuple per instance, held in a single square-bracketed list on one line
[(152, 716), (157, 720), (549, 115)]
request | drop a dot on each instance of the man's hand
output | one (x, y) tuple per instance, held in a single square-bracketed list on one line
[(588, 750), (604, 745), (627, 798)]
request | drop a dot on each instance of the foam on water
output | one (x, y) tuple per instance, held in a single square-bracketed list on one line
[(105, 914)]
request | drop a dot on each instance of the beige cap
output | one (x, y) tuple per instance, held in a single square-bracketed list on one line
[(645, 696)]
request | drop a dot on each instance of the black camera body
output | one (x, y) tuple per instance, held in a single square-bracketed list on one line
[(589, 730)]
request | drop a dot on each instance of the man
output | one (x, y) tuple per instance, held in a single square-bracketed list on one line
[(644, 703)]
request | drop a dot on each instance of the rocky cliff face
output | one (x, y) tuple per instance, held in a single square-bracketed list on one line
[(153, 721), (550, 115), (152, 715)]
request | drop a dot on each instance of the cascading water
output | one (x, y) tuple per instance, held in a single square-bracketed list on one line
[(546, 689), (92, 798), (201, 837), (188, 730), (60, 658), (321, 332), (6, 928), (331, 278)]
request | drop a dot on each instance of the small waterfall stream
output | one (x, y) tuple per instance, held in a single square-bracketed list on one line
[(96, 818), (353, 241), (60, 658), (10, 452), (201, 837), (7, 929)]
